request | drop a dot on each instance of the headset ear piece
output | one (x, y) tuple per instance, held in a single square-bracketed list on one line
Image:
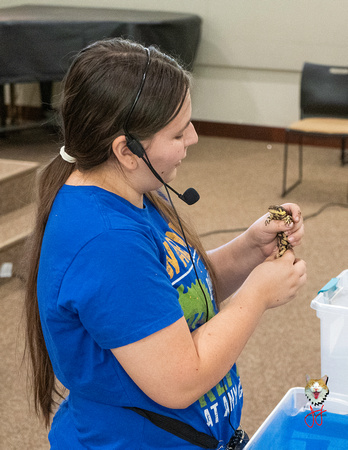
[(135, 147)]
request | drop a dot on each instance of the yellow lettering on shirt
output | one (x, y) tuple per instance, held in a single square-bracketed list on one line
[(174, 251), (172, 262)]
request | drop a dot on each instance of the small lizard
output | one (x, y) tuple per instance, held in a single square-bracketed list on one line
[(279, 213)]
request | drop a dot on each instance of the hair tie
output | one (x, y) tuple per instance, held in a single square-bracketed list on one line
[(66, 157)]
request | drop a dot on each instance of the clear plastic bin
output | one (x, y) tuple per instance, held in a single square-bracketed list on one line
[(290, 426), (331, 305), (286, 427)]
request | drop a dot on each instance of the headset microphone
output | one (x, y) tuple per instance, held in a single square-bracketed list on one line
[(190, 196)]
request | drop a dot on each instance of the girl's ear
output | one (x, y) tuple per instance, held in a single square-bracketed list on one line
[(126, 158)]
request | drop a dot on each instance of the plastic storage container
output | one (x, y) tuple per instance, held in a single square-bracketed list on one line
[(331, 305), (292, 426)]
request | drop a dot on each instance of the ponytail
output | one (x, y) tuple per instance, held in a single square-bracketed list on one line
[(41, 372)]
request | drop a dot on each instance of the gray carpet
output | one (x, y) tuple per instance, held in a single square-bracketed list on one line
[(237, 181)]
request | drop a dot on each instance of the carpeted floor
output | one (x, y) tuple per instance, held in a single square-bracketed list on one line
[(237, 181)]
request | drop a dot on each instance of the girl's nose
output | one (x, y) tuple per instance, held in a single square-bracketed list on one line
[(191, 137)]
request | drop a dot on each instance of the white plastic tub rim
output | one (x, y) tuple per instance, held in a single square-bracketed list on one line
[(295, 402), (333, 297)]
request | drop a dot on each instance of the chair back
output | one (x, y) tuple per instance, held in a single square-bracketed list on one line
[(324, 91)]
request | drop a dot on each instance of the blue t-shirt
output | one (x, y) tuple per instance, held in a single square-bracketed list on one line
[(111, 274)]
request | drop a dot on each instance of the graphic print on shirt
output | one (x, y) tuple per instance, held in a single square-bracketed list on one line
[(183, 277), (230, 394), (227, 395)]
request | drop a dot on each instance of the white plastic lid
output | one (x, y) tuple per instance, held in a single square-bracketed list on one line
[(333, 297)]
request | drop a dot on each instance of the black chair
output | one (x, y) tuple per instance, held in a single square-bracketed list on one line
[(324, 111)]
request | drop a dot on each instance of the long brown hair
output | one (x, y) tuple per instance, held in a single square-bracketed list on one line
[(98, 91)]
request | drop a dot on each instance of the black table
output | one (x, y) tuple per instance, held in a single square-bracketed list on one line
[(37, 43)]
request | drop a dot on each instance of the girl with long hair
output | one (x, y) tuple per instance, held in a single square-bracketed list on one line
[(124, 307)]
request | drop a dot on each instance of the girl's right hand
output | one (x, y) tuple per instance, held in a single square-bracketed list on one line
[(277, 280)]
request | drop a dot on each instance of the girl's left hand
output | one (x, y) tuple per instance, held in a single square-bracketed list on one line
[(264, 236)]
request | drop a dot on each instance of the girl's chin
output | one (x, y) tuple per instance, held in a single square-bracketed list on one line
[(170, 177)]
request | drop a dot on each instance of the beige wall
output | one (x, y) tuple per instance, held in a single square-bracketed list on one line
[(251, 53)]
